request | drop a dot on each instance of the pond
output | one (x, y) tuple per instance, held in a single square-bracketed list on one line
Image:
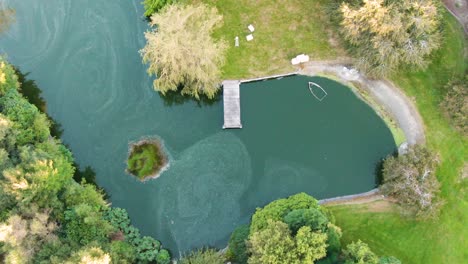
[(84, 55)]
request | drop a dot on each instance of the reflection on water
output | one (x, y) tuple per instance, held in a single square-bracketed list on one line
[(7, 17)]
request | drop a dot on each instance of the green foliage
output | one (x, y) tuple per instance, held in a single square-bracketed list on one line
[(411, 179), (145, 159), (181, 52), (163, 257), (278, 209), (360, 253), (237, 244), (32, 126), (153, 6), (334, 243), (386, 35), (46, 217), (147, 248), (455, 104), (8, 78), (84, 224), (310, 246), (203, 256), (275, 245), (122, 252), (306, 217)]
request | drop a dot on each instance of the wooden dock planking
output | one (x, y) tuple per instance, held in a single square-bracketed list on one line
[(231, 103)]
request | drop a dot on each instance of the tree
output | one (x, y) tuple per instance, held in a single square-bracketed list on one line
[(24, 235), (411, 179), (271, 245), (274, 244), (455, 104), (310, 246), (312, 218), (153, 6), (360, 253), (163, 257), (278, 209), (181, 52), (237, 244), (84, 224), (203, 256), (385, 35)]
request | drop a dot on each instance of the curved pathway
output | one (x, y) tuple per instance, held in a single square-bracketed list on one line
[(386, 94), (459, 9)]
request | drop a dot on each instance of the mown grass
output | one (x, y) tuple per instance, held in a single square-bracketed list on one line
[(145, 160), (283, 29), (436, 241)]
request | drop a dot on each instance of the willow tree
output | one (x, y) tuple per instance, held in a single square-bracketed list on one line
[(385, 35), (182, 53)]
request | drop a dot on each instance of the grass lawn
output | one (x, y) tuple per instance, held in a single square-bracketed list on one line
[(283, 29), (145, 160), (443, 240)]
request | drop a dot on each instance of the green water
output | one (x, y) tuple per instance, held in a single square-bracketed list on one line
[(84, 55)]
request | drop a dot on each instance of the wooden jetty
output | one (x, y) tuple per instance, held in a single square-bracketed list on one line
[(231, 99), (231, 103)]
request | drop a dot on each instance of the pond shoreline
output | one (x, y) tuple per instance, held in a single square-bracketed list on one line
[(385, 98)]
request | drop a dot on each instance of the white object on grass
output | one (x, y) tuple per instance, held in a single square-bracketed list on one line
[(236, 40), (300, 59), (249, 37), (251, 28)]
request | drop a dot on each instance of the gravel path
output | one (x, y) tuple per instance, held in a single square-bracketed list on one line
[(394, 102), (459, 9)]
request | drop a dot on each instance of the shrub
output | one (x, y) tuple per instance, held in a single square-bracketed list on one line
[(32, 126), (276, 210), (204, 256), (237, 246), (455, 104), (163, 257), (306, 217), (359, 253), (411, 179)]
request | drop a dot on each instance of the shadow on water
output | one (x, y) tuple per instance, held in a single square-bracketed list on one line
[(172, 98), (378, 171), (32, 92)]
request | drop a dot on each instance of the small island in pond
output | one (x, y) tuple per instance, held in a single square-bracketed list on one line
[(146, 159)]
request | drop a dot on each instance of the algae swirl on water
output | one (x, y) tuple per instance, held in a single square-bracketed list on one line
[(146, 159)]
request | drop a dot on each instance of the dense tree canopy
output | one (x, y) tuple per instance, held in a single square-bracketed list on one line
[(411, 179), (385, 35), (181, 52), (294, 230), (45, 216)]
